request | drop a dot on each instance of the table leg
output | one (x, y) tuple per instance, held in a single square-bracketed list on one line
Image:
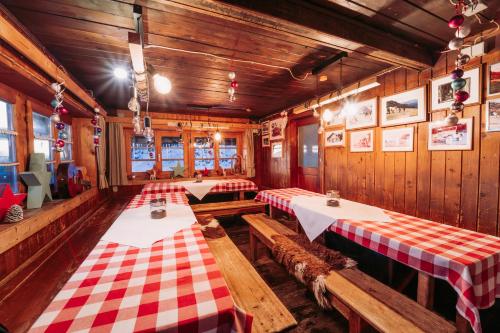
[(425, 292), (463, 325), (253, 246), (272, 212), (242, 195), (235, 196), (390, 271)]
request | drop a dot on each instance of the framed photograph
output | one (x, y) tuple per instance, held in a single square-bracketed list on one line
[(277, 128), (404, 108), (337, 120), (362, 141), (363, 114), (277, 150), (265, 141), (494, 79), (442, 93), (335, 138), (397, 139), (493, 115), (445, 137), (265, 128)]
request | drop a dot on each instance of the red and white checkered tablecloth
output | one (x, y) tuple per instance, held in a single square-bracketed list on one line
[(468, 260), (281, 198), (225, 185), (174, 286)]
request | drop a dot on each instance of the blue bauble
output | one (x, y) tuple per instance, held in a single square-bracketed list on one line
[(53, 103), (63, 135), (458, 84)]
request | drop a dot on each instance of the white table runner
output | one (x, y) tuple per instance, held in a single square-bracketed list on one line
[(135, 227), (315, 216), (199, 190)]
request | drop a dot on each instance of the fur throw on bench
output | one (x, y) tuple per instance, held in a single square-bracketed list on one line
[(309, 262), (210, 227)]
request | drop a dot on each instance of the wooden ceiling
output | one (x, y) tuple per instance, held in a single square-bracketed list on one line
[(90, 39)]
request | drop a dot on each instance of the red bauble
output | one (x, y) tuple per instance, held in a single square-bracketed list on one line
[(60, 143), (96, 141), (456, 21), (205, 172), (461, 96), (234, 84), (93, 121), (62, 110)]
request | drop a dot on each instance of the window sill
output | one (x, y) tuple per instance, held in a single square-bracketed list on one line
[(37, 219), (169, 180)]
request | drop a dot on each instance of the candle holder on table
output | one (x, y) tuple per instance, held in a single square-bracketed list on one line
[(158, 208), (333, 198)]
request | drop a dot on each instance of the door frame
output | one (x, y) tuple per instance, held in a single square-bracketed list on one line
[(295, 123)]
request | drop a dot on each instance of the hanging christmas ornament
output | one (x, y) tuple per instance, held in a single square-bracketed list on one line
[(148, 130), (60, 143), (456, 43), (60, 126), (95, 123), (456, 21), (315, 113), (463, 30), (63, 135), (457, 106), (97, 131), (55, 118), (451, 119), (96, 140), (458, 84), (457, 73), (234, 84), (231, 75), (461, 96), (462, 59), (56, 87), (54, 103), (62, 110)]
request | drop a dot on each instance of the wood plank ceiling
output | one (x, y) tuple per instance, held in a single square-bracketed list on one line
[(90, 39)]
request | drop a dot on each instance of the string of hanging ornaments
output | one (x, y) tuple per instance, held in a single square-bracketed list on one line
[(232, 86), (97, 129), (58, 111), (463, 29)]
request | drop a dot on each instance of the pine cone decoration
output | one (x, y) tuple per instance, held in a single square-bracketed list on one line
[(14, 214)]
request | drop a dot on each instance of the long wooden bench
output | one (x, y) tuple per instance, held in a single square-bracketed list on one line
[(248, 289), (357, 296), (228, 208)]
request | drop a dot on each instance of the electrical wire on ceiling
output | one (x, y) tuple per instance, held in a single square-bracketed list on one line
[(150, 46)]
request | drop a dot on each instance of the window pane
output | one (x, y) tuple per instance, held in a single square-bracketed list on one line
[(202, 164), (42, 127), (226, 163), (45, 147), (67, 153), (142, 166), (142, 150), (6, 116), (172, 147), (169, 165), (51, 168), (8, 174), (308, 146), (7, 148)]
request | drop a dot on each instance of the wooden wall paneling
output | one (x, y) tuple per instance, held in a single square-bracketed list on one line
[(389, 89), (438, 179), (370, 173), (379, 169), (410, 184), (83, 147)]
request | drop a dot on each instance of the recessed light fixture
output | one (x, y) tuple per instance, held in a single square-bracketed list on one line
[(162, 84), (120, 73), (323, 78)]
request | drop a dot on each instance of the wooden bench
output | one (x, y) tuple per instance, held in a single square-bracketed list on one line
[(358, 297), (248, 289), (228, 208)]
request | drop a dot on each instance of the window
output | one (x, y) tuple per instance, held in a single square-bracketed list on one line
[(143, 154), (8, 159), (172, 152), (204, 156), (228, 151), (67, 153), (44, 141)]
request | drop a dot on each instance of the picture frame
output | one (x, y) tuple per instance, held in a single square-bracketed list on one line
[(445, 137), (493, 115), (361, 141), (493, 80), (265, 128), (277, 149), (363, 115), (403, 108), (338, 119), (277, 128), (398, 139), (442, 94), (335, 138), (265, 141)]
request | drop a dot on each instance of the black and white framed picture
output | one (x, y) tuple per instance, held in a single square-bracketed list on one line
[(442, 95)]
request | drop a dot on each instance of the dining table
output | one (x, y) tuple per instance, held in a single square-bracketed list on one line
[(468, 260), (172, 285)]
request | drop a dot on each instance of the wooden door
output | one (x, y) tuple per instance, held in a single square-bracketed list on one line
[(307, 155)]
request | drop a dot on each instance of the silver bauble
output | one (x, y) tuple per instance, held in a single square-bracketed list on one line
[(231, 75), (55, 118), (56, 87), (451, 119), (462, 59), (455, 43), (230, 91), (464, 30)]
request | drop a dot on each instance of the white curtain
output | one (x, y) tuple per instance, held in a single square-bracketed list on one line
[(248, 153)]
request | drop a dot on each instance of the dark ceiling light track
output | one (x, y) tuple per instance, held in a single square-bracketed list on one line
[(328, 62)]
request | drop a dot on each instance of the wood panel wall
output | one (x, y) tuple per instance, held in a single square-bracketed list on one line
[(460, 188)]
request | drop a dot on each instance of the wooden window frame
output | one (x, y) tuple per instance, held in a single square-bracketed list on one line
[(13, 140)]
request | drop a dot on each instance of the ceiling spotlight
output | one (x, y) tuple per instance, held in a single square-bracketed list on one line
[(120, 73), (217, 136), (162, 84), (327, 115), (323, 78)]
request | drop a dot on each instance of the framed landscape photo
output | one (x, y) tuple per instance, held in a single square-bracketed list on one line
[(397, 139), (494, 79), (276, 150), (493, 115), (363, 114), (446, 137), (362, 141), (337, 119), (335, 138), (277, 128), (265, 141), (403, 108), (442, 93), (265, 128)]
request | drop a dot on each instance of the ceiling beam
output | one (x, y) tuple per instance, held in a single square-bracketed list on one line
[(313, 22)]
